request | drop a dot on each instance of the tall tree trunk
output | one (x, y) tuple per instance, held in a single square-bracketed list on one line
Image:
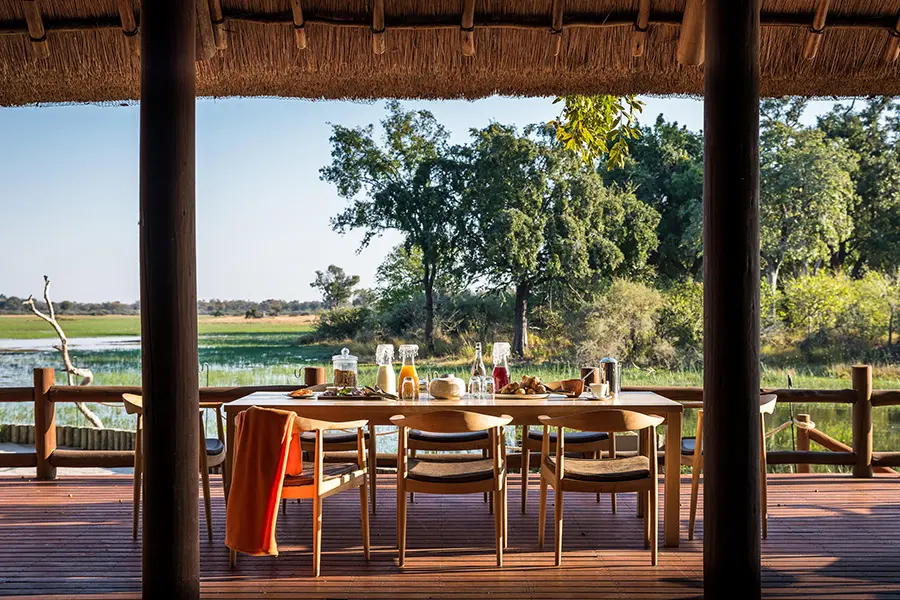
[(773, 283), (891, 329), (428, 284), (520, 333)]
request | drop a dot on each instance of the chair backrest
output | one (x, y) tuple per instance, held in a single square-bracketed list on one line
[(307, 424), (604, 420), (134, 404), (767, 403), (451, 421)]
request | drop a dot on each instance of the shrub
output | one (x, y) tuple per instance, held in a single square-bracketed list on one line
[(346, 324), (681, 321)]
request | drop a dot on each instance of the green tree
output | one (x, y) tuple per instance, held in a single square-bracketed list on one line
[(544, 219), (595, 127), (806, 191), (409, 181), (871, 132), (665, 167), (336, 286)]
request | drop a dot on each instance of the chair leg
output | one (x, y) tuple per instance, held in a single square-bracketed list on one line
[(612, 454), (695, 489), (486, 495), (498, 523), (654, 523), (558, 522), (232, 558), (412, 496), (364, 515), (645, 502), (597, 456), (526, 460), (138, 472), (504, 496), (401, 523), (763, 488), (204, 478), (283, 506), (542, 512), (373, 467), (317, 534)]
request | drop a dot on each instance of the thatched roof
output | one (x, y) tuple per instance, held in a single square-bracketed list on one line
[(89, 58)]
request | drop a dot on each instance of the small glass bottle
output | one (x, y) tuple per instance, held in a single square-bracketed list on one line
[(478, 368), (408, 353), (500, 353), (346, 369), (385, 378)]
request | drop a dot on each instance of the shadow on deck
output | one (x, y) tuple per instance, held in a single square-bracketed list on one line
[(829, 536)]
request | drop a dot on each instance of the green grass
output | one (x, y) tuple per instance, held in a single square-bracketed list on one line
[(22, 327)]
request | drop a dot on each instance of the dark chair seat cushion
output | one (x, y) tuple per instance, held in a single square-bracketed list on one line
[(332, 437), (214, 447), (617, 469), (572, 437), (448, 438), (307, 476), (688, 445), (449, 456), (450, 472)]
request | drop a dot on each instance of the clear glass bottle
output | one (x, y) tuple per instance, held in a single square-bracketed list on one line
[(346, 369), (385, 378), (478, 368), (408, 353), (500, 353)]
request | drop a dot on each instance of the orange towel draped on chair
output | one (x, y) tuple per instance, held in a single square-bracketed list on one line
[(265, 450)]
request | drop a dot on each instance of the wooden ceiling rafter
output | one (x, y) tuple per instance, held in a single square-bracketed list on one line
[(129, 25), (641, 25), (206, 39), (299, 24), (556, 25), (893, 52), (34, 24), (467, 28), (378, 44), (218, 22), (816, 31), (692, 38)]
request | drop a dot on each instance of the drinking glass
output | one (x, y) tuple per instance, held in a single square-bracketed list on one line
[(408, 388)]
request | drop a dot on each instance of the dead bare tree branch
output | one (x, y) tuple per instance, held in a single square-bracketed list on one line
[(87, 376)]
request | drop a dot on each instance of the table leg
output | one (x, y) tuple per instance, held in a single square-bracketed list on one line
[(229, 450), (673, 479)]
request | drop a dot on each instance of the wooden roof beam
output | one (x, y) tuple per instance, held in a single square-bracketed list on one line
[(378, 45), (218, 23), (814, 36), (36, 32), (692, 39), (639, 35), (129, 25), (556, 25), (893, 52), (467, 28), (299, 24), (206, 39)]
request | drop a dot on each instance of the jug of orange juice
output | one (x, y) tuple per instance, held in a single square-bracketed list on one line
[(408, 353)]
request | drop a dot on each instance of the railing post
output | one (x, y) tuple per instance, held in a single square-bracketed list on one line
[(862, 420), (44, 423), (803, 441)]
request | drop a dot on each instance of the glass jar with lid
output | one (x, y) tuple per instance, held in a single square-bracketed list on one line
[(346, 369)]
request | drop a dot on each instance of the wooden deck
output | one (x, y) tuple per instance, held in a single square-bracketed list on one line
[(829, 537)]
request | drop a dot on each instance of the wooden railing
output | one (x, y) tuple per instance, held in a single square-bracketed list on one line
[(860, 455)]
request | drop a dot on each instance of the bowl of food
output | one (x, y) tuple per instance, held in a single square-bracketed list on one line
[(529, 388), (571, 388)]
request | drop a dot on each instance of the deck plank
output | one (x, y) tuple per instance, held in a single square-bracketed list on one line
[(829, 536)]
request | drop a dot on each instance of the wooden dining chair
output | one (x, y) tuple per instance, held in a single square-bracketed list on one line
[(212, 454), (634, 474), (692, 456), (319, 480), (459, 477), (588, 443), (344, 442)]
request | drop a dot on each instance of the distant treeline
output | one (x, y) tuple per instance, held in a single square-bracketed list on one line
[(12, 305)]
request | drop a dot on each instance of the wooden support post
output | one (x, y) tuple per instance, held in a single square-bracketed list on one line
[(556, 25), (44, 423), (129, 25), (639, 35), (378, 27), (467, 28), (731, 431), (36, 32), (171, 541), (218, 23), (299, 24), (893, 52), (814, 36), (862, 420), (206, 39), (803, 441), (692, 39)]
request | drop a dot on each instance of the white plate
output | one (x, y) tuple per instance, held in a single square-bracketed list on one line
[(521, 396)]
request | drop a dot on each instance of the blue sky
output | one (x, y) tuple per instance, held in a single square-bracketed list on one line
[(70, 192)]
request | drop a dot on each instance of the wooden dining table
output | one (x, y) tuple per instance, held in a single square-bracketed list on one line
[(523, 412)]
